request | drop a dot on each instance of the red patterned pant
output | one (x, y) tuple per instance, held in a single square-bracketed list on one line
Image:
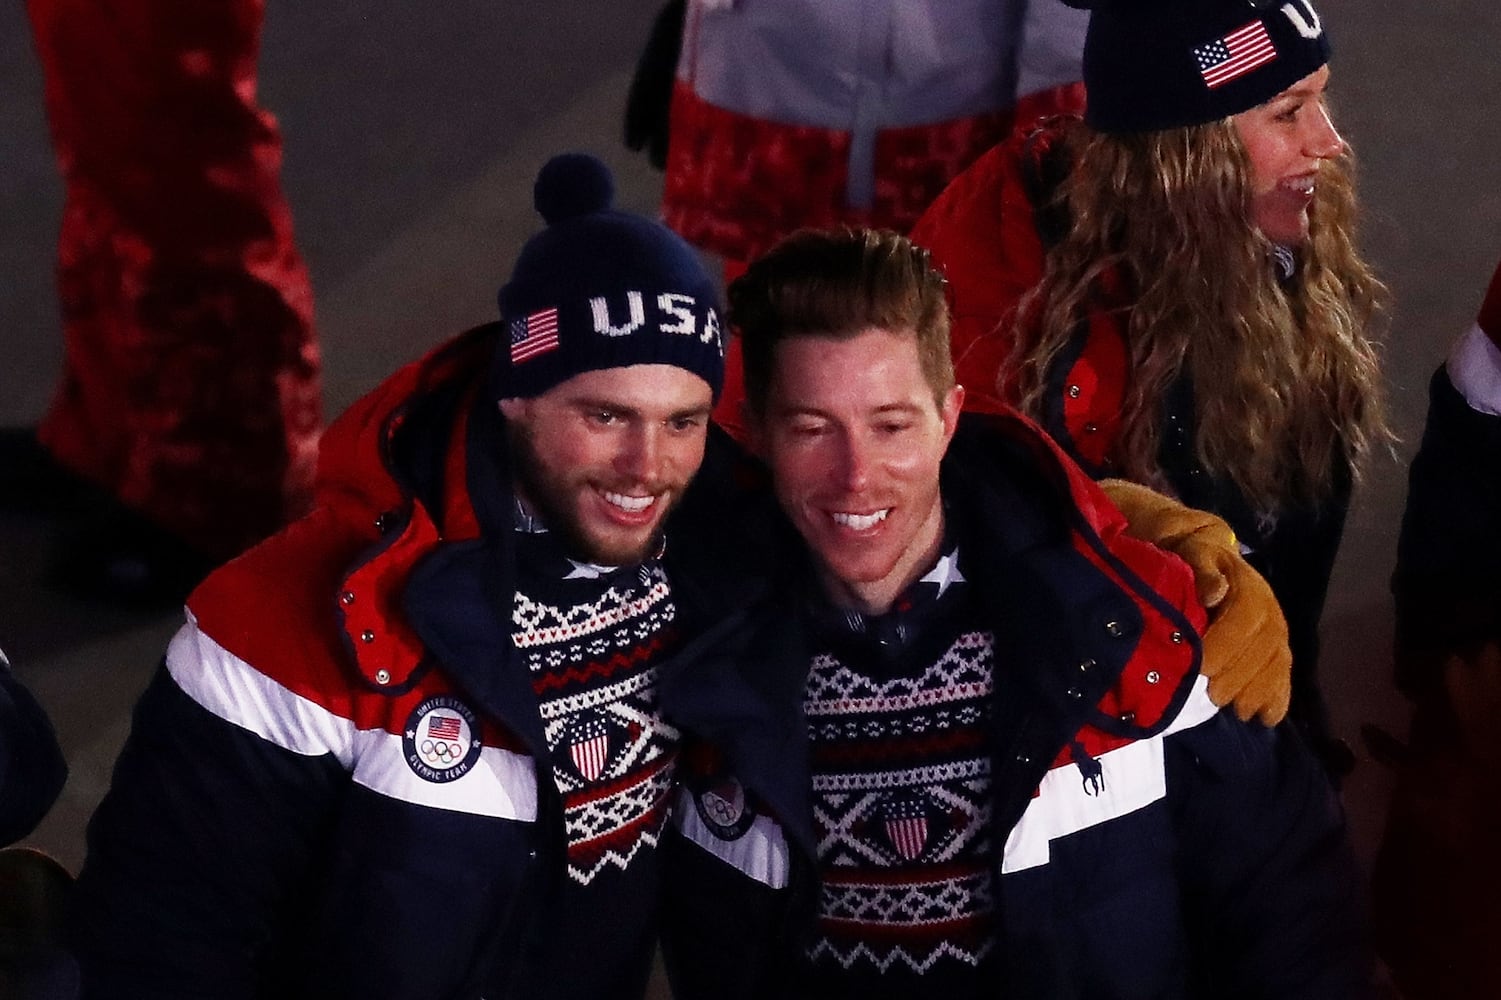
[(190, 383)]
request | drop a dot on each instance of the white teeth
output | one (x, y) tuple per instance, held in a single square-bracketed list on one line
[(629, 504), (860, 522)]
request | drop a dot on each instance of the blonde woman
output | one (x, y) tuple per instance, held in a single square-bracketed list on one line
[(1171, 286)]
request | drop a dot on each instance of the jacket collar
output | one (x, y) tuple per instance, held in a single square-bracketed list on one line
[(393, 466), (424, 458)]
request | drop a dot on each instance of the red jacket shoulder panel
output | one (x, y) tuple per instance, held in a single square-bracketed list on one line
[(275, 607), (983, 236), (982, 232), (317, 607), (1166, 659)]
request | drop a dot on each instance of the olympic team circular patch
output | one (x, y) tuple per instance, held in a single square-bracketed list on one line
[(441, 739), (724, 808)]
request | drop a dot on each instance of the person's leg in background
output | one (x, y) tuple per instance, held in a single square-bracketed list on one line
[(190, 383)]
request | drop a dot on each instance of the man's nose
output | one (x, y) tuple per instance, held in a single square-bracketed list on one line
[(853, 463), (641, 456)]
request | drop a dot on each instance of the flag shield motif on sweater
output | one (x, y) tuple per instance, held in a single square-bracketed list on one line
[(441, 739), (905, 818), (589, 746)]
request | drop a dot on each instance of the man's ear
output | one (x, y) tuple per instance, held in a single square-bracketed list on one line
[(512, 409), (953, 404)]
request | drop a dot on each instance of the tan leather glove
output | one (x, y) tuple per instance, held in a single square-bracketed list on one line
[(1246, 655)]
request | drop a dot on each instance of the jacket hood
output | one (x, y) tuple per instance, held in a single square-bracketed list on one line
[(358, 463)]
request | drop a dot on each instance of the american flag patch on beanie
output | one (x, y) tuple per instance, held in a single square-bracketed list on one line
[(533, 334), (1235, 55)]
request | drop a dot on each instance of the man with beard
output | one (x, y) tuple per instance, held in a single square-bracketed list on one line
[(965, 748), (411, 745)]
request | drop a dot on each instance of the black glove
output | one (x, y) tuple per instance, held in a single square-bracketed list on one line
[(650, 98)]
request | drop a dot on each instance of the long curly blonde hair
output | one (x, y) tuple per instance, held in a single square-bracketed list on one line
[(1285, 377)]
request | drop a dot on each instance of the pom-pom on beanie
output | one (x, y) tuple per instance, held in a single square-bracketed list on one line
[(1161, 64), (600, 288)]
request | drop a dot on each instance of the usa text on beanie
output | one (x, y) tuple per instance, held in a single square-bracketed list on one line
[(600, 288)]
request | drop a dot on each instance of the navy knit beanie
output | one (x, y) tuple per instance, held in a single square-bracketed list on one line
[(1160, 64), (600, 288)]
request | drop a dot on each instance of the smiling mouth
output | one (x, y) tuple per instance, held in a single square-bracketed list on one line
[(1301, 186), (627, 503), (860, 522)]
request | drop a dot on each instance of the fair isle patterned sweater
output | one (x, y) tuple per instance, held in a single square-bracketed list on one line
[(899, 713), (591, 638)]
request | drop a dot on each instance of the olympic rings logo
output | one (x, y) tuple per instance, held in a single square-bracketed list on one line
[(721, 810), (441, 753)]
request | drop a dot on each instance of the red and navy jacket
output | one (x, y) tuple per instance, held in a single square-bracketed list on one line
[(1210, 862), (988, 233), (273, 829)]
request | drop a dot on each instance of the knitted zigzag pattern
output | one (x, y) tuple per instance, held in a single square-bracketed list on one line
[(901, 780), (594, 669)]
